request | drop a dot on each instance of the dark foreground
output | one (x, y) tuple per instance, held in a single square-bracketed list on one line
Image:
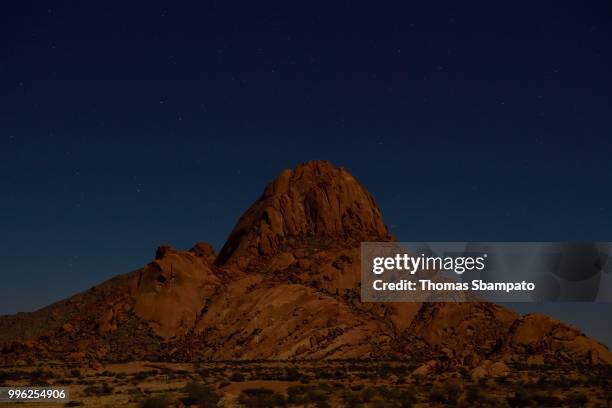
[(318, 384)]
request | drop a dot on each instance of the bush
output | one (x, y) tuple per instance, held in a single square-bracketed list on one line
[(519, 399), (98, 391), (382, 404), (143, 375), (351, 399), (236, 377), (406, 398), (380, 397), (298, 395), (446, 394), (292, 374), (306, 394), (472, 394), (322, 404), (368, 394), (547, 399), (261, 397), (201, 395), (576, 399), (158, 401)]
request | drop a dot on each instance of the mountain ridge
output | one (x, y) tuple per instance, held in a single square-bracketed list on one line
[(284, 286)]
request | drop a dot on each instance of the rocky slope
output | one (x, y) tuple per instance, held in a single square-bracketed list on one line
[(284, 286)]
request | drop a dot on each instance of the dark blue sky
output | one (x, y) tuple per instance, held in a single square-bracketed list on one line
[(124, 127)]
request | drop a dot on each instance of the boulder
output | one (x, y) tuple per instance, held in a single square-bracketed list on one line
[(498, 369), (426, 369), (478, 373)]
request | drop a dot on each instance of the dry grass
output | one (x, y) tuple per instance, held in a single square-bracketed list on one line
[(322, 384)]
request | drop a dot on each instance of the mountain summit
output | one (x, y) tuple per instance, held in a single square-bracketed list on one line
[(284, 286), (313, 201)]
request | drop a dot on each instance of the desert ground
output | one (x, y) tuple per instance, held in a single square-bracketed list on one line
[(347, 383)]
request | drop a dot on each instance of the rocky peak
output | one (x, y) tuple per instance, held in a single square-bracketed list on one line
[(205, 251), (164, 250), (313, 201), (170, 291)]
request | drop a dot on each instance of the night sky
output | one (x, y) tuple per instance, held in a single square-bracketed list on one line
[(125, 127)]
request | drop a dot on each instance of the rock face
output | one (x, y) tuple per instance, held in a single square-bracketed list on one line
[(314, 201), (537, 334), (170, 291), (284, 286)]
